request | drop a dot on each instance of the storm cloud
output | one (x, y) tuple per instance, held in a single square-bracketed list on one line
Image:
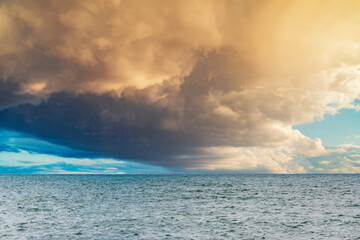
[(199, 85)]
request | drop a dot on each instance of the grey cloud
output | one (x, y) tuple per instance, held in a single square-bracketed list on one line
[(159, 123), (10, 94), (80, 122), (154, 82)]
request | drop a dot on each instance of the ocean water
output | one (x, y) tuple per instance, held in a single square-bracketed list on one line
[(180, 207)]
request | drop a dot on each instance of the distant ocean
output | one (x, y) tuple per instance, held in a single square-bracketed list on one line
[(179, 207)]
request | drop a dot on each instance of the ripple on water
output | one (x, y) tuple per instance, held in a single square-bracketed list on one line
[(179, 207)]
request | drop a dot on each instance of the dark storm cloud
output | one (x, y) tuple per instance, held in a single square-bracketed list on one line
[(161, 124), (82, 122), (156, 124), (171, 123), (205, 84), (10, 94)]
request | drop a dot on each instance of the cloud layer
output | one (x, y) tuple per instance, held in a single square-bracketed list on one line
[(204, 85)]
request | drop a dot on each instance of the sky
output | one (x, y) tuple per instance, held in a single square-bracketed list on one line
[(209, 86)]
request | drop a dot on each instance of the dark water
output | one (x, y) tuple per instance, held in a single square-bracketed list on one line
[(180, 207)]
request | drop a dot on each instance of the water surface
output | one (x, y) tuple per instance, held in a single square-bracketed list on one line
[(180, 207)]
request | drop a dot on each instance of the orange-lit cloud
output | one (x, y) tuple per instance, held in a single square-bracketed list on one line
[(217, 74)]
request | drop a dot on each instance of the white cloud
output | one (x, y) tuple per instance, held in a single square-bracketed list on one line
[(325, 162)]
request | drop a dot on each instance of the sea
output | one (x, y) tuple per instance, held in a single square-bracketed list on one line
[(179, 207)]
